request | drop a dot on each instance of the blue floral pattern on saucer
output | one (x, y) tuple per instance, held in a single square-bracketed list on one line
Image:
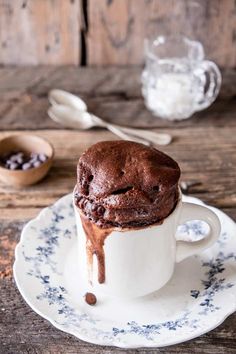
[(40, 275)]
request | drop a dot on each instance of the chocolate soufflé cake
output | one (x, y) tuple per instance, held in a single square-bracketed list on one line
[(126, 185)]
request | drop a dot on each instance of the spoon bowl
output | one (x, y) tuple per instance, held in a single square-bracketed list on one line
[(61, 97), (71, 111), (70, 117)]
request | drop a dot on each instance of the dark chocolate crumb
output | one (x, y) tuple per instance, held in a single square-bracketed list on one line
[(156, 188), (90, 178), (90, 298)]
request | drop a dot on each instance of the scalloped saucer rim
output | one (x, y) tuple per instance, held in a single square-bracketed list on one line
[(122, 344)]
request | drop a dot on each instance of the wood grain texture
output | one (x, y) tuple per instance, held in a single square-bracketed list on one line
[(40, 32), (204, 146), (50, 31), (111, 93), (117, 28), (216, 172)]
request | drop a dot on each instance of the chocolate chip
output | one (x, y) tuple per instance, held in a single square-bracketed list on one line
[(13, 166), (19, 160), (14, 158), (100, 210), (36, 163), (33, 154), (26, 166), (42, 157), (156, 188), (90, 178), (90, 298), (33, 159)]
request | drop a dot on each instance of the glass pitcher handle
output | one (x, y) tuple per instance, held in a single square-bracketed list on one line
[(211, 78)]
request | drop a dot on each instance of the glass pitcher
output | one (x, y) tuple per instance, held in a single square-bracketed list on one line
[(176, 80)]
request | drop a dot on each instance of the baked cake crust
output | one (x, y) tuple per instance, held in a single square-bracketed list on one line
[(126, 184)]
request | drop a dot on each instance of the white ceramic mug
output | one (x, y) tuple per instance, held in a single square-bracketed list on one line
[(141, 261)]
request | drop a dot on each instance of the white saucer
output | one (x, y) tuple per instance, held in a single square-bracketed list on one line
[(200, 295)]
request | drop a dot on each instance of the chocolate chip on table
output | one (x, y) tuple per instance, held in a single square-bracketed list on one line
[(90, 298), (186, 185)]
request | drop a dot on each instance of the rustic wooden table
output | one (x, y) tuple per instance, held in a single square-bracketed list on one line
[(203, 145)]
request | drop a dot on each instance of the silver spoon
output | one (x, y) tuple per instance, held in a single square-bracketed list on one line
[(71, 111)]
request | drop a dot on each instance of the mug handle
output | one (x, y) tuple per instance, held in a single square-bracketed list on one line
[(208, 71), (190, 212)]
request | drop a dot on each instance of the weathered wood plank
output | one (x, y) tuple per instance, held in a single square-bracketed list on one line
[(214, 166), (114, 94), (27, 112), (79, 80), (49, 31), (123, 82), (40, 32), (9, 236), (204, 146), (117, 28), (133, 112), (30, 112), (214, 140), (20, 214), (15, 79)]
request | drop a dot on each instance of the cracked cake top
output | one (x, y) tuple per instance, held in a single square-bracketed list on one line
[(126, 184)]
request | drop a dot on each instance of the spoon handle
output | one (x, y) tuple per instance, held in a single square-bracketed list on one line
[(153, 137), (69, 110), (141, 135), (125, 136)]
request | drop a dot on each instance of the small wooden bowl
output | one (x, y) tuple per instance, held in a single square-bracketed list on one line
[(26, 144)]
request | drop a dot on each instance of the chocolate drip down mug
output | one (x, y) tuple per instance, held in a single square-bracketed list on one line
[(140, 261)]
